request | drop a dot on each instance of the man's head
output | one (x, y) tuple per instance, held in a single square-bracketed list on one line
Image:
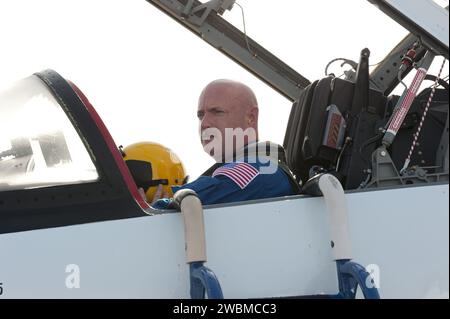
[(227, 107)]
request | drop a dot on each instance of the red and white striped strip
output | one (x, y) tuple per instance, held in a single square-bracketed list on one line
[(240, 173), (407, 101)]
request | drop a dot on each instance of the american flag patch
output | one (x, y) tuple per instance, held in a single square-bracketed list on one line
[(240, 173)]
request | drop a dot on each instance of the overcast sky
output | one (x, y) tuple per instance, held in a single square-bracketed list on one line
[(143, 72)]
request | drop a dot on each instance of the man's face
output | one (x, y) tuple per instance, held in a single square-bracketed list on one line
[(219, 109)]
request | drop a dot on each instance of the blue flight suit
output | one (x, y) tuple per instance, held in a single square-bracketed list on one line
[(224, 187)]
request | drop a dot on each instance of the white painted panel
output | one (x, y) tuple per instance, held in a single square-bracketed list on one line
[(265, 249)]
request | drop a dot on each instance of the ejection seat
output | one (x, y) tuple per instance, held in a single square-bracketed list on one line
[(336, 125)]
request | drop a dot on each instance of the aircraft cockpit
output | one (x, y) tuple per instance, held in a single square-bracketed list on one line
[(375, 141), (57, 158), (39, 147)]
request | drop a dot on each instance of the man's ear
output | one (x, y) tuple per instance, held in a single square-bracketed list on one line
[(252, 115)]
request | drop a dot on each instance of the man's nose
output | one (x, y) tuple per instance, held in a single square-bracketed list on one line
[(205, 122)]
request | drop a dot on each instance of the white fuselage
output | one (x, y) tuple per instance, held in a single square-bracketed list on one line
[(268, 248)]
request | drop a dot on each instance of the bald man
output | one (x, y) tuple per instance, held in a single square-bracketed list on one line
[(245, 168), (223, 107)]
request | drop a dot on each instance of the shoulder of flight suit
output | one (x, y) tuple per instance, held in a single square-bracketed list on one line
[(236, 181)]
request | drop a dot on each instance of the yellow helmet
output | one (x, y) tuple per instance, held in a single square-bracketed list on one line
[(152, 164)]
